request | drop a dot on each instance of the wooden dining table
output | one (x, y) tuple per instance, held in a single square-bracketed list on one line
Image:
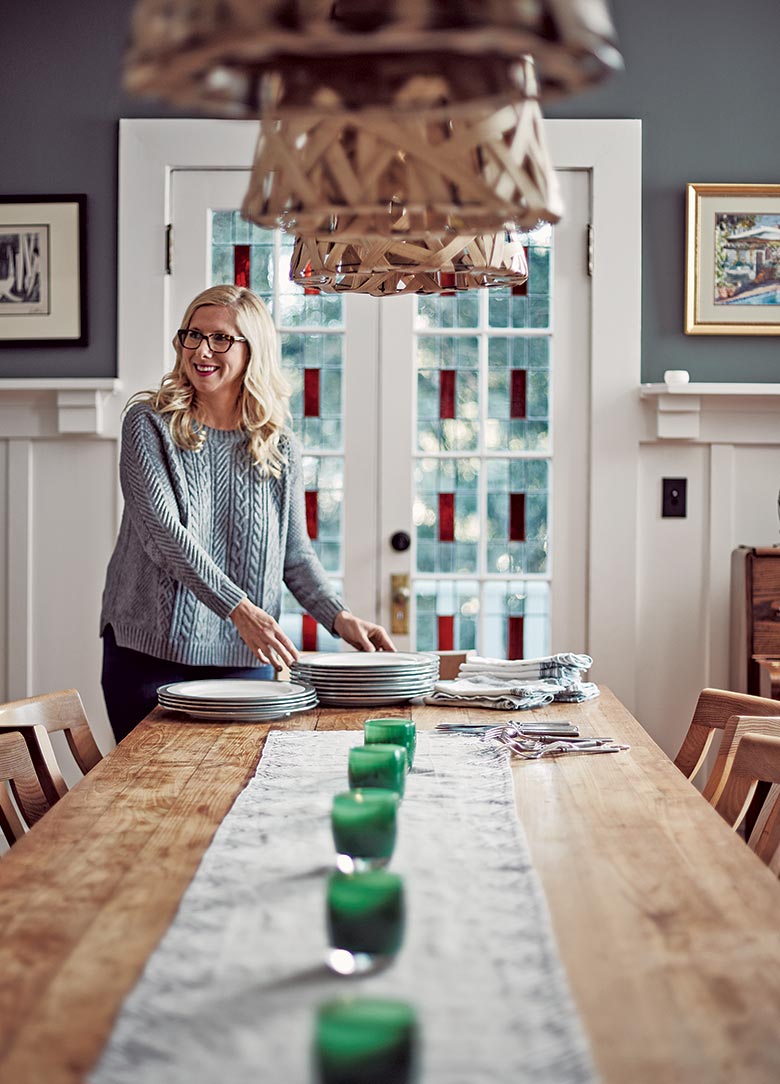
[(667, 925)]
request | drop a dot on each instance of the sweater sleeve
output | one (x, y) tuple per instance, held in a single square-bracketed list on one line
[(150, 499), (303, 573)]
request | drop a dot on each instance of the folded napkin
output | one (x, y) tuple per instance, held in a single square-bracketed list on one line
[(564, 658), (485, 691)]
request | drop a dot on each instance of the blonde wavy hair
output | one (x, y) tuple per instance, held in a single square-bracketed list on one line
[(264, 400)]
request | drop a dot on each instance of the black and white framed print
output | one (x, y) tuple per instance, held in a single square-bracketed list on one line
[(42, 271)]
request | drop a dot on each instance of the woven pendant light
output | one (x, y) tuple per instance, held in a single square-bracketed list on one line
[(213, 54), (428, 165), (391, 268)]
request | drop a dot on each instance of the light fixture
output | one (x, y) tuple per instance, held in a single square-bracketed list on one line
[(435, 265), (214, 54), (431, 164)]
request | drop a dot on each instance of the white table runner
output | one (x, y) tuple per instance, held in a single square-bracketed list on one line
[(230, 993)]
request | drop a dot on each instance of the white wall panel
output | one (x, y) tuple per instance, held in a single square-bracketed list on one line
[(672, 593), (755, 495), (74, 528)]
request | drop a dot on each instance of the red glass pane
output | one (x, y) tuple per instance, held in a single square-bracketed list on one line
[(312, 513), (514, 638), (446, 632), (517, 517), (517, 393), (308, 633), (446, 517), (447, 379), (241, 265), (522, 289), (311, 393)]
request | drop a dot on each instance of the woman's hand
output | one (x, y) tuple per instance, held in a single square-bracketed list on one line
[(364, 635), (263, 636)]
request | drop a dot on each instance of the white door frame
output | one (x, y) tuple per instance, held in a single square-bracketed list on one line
[(611, 150)]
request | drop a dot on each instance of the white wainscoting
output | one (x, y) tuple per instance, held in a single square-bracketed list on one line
[(731, 460), (60, 500)]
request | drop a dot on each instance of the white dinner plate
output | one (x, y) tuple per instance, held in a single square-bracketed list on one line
[(233, 689), (365, 660), (204, 716)]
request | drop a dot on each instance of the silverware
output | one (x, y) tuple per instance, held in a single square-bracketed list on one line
[(532, 748)]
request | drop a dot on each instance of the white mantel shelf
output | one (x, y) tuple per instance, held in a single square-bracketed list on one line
[(679, 406), (79, 400)]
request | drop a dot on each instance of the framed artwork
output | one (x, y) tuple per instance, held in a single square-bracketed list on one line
[(732, 278), (43, 271)]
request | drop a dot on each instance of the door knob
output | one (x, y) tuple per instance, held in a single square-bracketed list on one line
[(400, 541)]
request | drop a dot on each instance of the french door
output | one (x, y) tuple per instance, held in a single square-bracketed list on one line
[(445, 438)]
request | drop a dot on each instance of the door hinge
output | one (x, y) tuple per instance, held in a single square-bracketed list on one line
[(169, 249), (589, 250)]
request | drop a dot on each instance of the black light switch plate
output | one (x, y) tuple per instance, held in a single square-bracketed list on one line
[(674, 494)]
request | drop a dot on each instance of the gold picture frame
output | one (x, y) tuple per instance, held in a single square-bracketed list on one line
[(732, 259)]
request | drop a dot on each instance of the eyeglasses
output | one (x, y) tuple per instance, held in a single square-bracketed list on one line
[(217, 342)]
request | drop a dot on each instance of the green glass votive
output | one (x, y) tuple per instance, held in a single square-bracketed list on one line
[(364, 827), (366, 1041), (365, 917), (394, 732), (377, 766)]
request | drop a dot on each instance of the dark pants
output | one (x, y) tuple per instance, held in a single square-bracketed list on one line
[(130, 681)]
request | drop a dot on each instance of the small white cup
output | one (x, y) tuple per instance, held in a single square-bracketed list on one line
[(676, 376)]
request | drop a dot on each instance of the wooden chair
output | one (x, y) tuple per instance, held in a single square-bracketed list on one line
[(39, 716), (16, 768), (714, 711), (756, 760)]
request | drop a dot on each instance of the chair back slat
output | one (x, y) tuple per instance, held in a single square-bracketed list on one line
[(736, 727), (765, 838), (756, 759), (16, 768)]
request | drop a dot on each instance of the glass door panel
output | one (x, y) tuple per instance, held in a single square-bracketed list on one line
[(486, 443)]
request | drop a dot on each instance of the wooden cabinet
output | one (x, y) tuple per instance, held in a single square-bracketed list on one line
[(755, 620)]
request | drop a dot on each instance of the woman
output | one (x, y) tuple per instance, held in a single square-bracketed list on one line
[(214, 519)]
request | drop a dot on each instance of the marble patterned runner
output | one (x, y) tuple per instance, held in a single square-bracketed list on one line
[(230, 993)]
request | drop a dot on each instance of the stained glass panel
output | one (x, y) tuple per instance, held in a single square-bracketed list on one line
[(529, 600), (323, 479), (506, 429), (447, 614), (504, 478), (456, 550), (447, 393)]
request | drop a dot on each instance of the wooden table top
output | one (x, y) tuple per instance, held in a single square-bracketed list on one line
[(667, 925)]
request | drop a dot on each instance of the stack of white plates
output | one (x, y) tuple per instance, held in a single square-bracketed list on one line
[(237, 701), (366, 679)]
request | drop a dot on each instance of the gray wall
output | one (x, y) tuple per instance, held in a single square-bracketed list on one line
[(700, 74)]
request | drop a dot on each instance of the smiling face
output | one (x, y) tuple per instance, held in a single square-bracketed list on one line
[(215, 376)]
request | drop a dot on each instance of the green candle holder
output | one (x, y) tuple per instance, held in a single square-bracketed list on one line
[(366, 1041), (377, 765), (394, 732), (365, 918), (364, 828)]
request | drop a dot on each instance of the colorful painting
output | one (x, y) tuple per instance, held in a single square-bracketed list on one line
[(747, 259)]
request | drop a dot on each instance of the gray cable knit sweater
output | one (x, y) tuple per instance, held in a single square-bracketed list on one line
[(200, 532)]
